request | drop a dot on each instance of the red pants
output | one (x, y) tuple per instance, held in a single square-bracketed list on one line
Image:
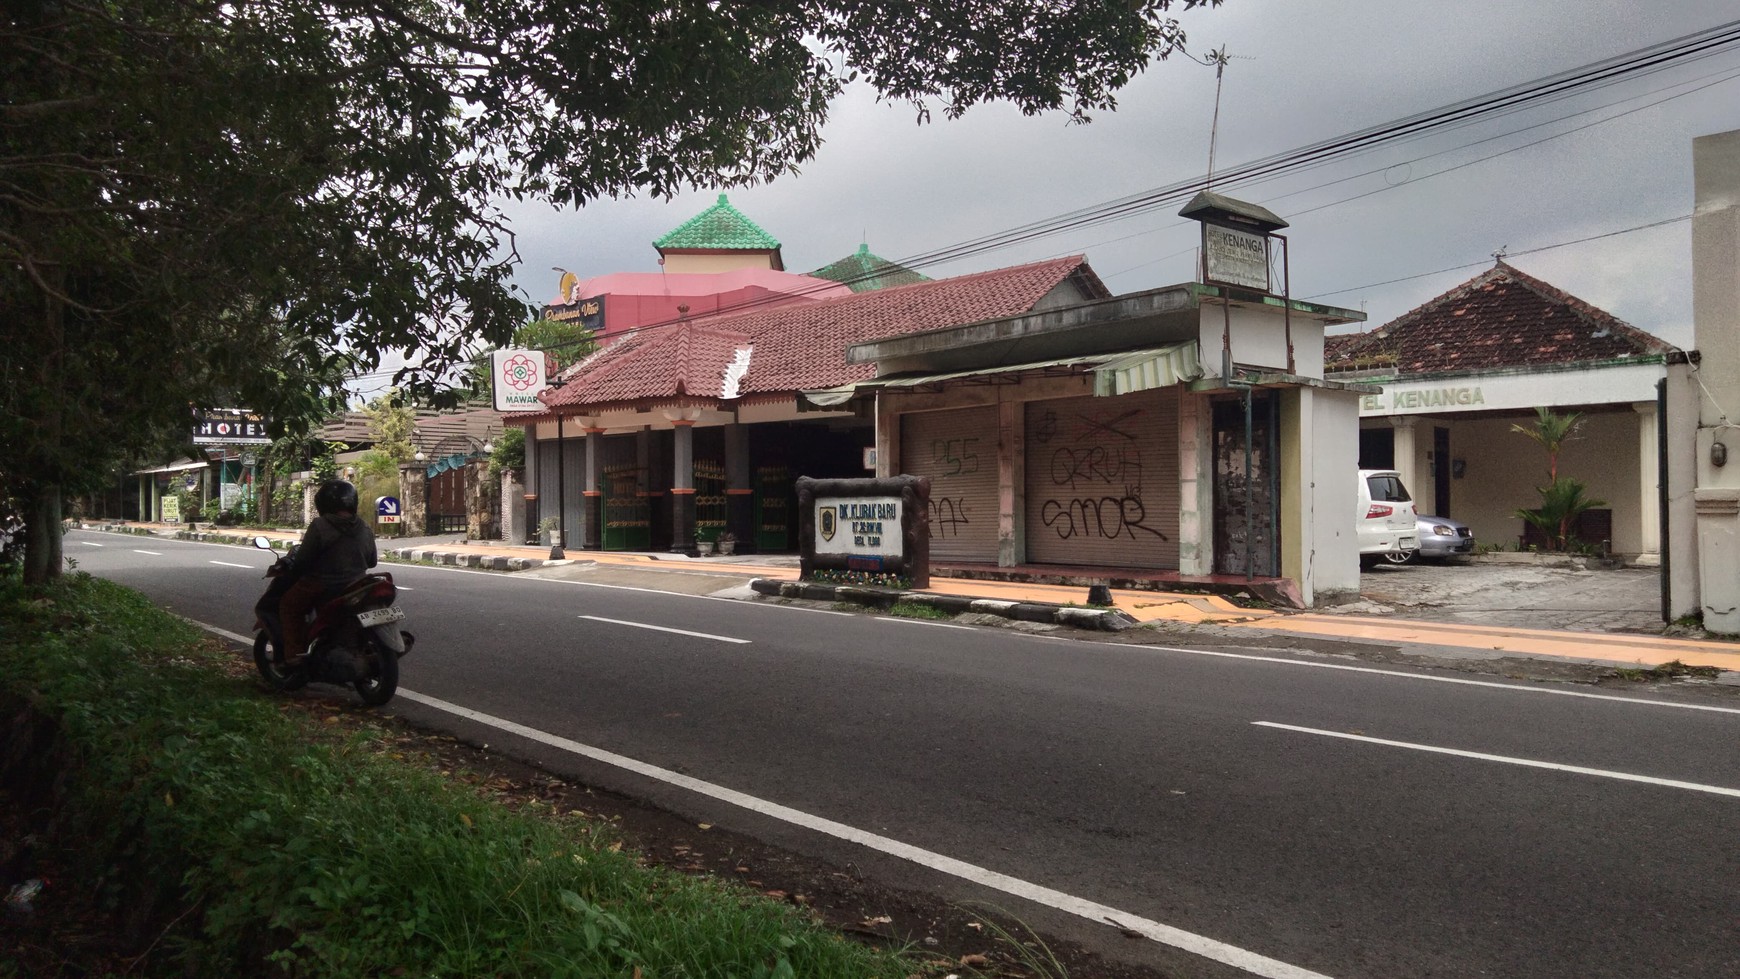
[(293, 611)]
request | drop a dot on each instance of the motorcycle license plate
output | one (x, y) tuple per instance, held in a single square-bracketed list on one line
[(380, 616)]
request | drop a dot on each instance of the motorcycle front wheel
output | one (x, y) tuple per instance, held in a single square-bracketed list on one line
[(276, 674), (383, 680)]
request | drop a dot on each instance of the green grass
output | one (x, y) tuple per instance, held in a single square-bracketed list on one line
[(308, 847), (917, 610)]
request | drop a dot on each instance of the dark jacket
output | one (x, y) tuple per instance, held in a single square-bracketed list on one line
[(336, 551)]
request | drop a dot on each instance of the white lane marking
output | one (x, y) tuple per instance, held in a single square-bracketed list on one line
[(510, 578), (152, 553), (1100, 914), (1506, 759), (1251, 962), (229, 564), (660, 628), (705, 598), (214, 630), (1513, 687), (403, 587), (90, 543), (937, 625)]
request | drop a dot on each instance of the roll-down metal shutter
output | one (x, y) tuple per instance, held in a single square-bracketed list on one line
[(958, 451), (570, 490), (1102, 481)]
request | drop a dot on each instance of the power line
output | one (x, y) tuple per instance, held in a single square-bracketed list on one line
[(1526, 251), (1595, 75)]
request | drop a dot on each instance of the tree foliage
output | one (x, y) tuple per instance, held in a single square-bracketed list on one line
[(1563, 499), (1552, 430), (220, 204)]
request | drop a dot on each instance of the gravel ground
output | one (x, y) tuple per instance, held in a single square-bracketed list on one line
[(1583, 600)]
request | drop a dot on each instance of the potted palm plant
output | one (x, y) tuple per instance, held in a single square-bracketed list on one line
[(727, 543)]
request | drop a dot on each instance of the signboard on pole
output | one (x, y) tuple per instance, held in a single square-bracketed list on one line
[(387, 509), (229, 426), (1235, 257), (517, 376)]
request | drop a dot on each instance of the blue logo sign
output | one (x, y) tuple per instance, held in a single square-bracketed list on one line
[(387, 506)]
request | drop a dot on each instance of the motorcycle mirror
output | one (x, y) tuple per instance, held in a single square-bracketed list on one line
[(263, 542)]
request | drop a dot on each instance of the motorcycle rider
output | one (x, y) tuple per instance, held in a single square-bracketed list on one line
[(337, 549)]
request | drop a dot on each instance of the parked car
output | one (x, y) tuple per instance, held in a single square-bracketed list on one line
[(1387, 526), (1440, 538)]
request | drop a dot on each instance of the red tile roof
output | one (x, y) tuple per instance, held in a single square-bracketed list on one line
[(1502, 318), (803, 346)]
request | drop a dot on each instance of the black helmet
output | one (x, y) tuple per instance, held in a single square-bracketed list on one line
[(333, 496)]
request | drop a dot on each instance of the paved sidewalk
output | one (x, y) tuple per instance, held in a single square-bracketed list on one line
[(778, 574)]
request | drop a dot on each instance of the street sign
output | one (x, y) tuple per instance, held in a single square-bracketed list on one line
[(387, 509), (518, 376)]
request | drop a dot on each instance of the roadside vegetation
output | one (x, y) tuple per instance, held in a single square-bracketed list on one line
[(237, 838)]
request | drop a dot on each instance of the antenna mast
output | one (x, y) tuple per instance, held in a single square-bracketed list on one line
[(1218, 59)]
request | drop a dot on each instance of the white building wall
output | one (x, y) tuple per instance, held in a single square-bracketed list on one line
[(1319, 473), (1503, 468), (1259, 338)]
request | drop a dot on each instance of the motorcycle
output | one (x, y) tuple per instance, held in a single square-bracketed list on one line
[(355, 637)]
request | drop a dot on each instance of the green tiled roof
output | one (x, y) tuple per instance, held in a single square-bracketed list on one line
[(718, 227), (864, 272)]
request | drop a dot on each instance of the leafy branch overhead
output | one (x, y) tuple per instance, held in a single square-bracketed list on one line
[(235, 204)]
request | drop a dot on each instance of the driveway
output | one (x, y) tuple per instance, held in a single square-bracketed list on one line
[(1523, 595)]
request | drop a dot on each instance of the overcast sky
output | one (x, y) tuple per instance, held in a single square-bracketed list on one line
[(1300, 72)]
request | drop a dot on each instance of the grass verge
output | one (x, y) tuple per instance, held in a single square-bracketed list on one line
[(918, 610), (281, 846)]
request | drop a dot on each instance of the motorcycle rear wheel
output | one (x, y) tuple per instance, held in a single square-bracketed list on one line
[(379, 687), (276, 674)]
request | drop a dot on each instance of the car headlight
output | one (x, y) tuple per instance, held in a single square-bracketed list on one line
[(1443, 530)]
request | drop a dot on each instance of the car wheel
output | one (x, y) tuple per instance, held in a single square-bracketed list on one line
[(1399, 557)]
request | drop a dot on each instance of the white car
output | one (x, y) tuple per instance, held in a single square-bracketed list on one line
[(1386, 517)]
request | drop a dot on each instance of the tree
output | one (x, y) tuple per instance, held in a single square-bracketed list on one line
[(1562, 499), (392, 424), (566, 343), (223, 204), (1552, 431)]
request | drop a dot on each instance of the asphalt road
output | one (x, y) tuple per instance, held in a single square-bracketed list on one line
[(1267, 815)]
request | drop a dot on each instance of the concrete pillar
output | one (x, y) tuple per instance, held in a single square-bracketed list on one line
[(482, 502), (1648, 483), (1408, 455), (413, 500), (592, 512), (1195, 485), (513, 510), (683, 488), (1716, 325), (1010, 483)]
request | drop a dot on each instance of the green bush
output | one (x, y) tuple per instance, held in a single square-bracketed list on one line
[(318, 854)]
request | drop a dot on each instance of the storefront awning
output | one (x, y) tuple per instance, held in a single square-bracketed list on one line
[(172, 468), (1148, 369), (1137, 370)]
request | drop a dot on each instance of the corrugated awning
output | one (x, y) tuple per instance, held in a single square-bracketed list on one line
[(1125, 373), (172, 468), (1148, 369)]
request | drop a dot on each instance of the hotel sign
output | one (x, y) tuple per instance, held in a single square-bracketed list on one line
[(518, 376), (229, 426), (1234, 257), (1420, 399)]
